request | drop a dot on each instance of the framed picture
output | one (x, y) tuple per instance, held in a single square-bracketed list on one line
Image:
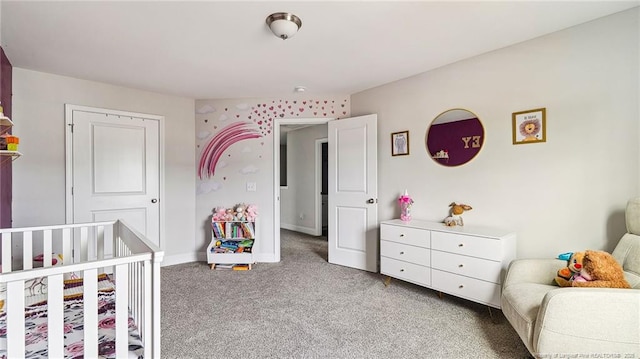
[(400, 143), (529, 126)]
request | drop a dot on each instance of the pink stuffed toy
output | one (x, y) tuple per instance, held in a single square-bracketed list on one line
[(581, 277), (251, 212), (219, 214)]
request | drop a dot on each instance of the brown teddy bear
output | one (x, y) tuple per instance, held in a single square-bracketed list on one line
[(600, 269), (567, 274)]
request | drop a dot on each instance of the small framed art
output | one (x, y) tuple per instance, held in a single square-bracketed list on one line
[(400, 143), (529, 126)]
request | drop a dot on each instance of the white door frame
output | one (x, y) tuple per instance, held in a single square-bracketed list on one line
[(68, 139), (319, 143), (276, 173)]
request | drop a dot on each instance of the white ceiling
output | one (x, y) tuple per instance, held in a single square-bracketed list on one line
[(208, 49)]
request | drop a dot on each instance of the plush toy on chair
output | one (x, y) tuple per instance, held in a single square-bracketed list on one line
[(600, 269), (566, 275)]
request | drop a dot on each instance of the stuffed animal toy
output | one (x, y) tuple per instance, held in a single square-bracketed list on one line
[(228, 216), (251, 212), (239, 212), (455, 219), (566, 275), (219, 214), (600, 269)]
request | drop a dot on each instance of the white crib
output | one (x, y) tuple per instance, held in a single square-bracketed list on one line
[(87, 249)]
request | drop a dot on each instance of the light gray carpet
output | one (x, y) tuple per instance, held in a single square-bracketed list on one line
[(304, 307)]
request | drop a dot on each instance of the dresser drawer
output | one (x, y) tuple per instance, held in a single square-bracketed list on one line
[(480, 247), (413, 236), (465, 287), (405, 252), (484, 269), (409, 272)]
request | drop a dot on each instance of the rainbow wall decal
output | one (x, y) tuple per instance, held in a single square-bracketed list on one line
[(220, 142)]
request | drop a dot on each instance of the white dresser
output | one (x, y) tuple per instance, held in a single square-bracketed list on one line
[(468, 262)]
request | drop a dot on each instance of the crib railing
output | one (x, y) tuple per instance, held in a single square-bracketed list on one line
[(87, 250)]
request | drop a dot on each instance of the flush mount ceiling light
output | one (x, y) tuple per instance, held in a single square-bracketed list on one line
[(283, 24)]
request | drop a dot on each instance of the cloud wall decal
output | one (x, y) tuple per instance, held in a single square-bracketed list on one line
[(205, 109), (249, 169)]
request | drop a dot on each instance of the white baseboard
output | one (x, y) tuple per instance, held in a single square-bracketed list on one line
[(182, 258), (264, 257), (306, 230), (202, 257)]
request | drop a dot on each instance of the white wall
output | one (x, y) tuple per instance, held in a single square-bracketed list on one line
[(39, 175), (249, 160), (566, 194), (299, 198)]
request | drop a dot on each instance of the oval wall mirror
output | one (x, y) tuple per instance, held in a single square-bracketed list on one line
[(454, 137)]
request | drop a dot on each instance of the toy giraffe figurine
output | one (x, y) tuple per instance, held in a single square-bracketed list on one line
[(455, 219)]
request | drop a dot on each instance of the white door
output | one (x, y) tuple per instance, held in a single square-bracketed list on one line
[(115, 173), (353, 192)]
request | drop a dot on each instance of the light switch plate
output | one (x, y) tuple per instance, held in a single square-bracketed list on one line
[(251, 186)]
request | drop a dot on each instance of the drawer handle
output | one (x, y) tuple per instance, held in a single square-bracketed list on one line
[(401, 270), (461, 245), (461, 286), (460, 265), (402, 235), (401, 252)]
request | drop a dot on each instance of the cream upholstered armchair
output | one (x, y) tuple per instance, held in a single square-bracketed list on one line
[(597, 322)]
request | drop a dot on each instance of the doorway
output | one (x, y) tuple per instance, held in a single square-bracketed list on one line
[(322, 184), (304, 216), (301, 178), (352, 195)]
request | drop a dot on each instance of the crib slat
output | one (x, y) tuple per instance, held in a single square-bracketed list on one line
[(91, 238), (84, 251), (122, 315), (27, 250), (6, 252), (100, 243), (67, 256), (145, 322), (90, 313), (108, 238), (55, 316), (15, 319), (156, 333), (141, 294), (133, 303), (47, 248), (130, 300)]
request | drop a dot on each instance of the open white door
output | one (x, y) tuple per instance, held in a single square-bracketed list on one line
[(113, 168), (353, 192)]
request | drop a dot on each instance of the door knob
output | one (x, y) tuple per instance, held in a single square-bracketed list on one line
[(154, 200), (371, 200)]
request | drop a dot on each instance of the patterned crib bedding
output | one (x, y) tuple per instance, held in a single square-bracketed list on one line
[(36, 325)]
